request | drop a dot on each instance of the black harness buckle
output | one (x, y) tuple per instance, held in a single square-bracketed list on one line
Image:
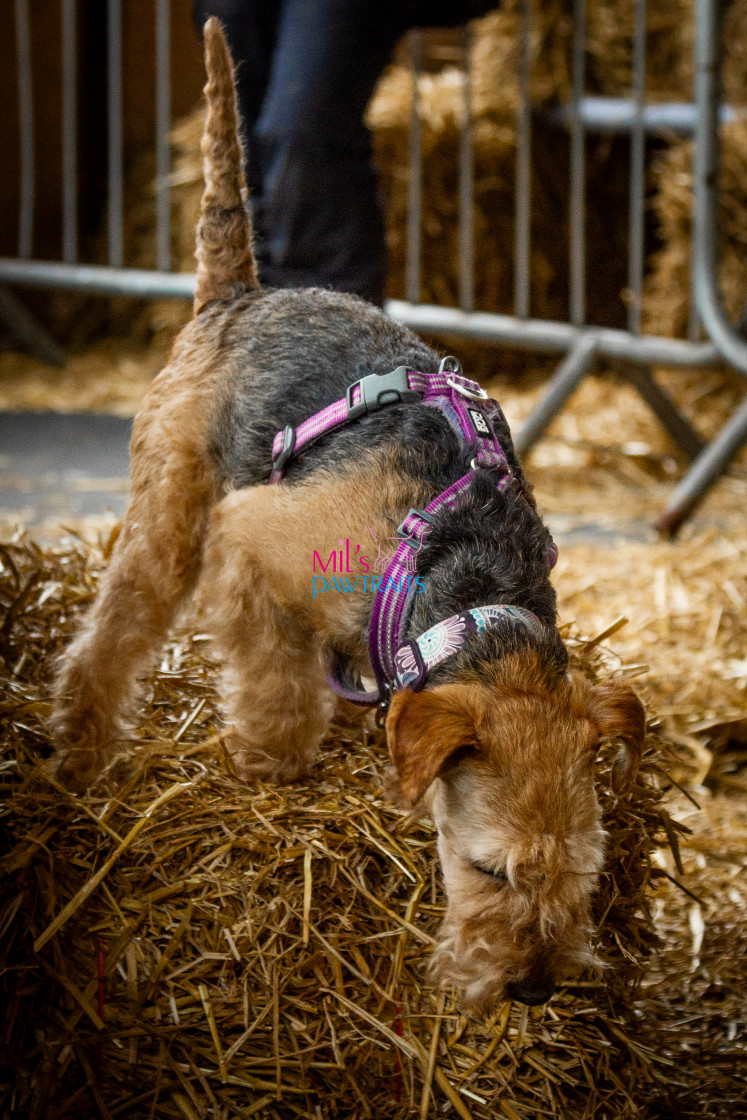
[(382, 708), (378, 390), (414, 543), (289, 443)]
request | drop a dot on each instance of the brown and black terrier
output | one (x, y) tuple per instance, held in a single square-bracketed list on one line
[(500, 745)]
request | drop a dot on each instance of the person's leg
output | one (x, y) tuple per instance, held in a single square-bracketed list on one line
[(319, 209)]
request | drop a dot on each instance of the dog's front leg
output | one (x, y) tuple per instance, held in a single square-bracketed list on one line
[(276, 700)]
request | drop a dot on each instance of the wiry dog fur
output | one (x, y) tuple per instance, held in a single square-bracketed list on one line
[(501, 744)]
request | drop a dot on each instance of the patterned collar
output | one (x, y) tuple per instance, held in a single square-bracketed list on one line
[(416, 658)]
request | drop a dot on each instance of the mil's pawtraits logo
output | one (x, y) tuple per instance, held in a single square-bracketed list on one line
[(337, 568)]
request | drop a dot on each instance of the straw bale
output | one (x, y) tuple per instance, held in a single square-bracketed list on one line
[(494, 102), (710, 398), (261, 950)]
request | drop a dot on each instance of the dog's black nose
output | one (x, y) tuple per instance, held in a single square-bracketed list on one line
[(523, 991)]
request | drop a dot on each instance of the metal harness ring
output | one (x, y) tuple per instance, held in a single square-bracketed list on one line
[(463, 391)]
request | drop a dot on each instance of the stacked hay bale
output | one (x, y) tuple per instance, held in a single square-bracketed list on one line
[(670, 46), (666, 303)]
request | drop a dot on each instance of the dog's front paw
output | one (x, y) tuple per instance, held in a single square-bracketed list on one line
[(77, 768), (252, 764)]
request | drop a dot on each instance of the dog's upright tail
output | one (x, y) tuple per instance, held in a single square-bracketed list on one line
[(225, 260)]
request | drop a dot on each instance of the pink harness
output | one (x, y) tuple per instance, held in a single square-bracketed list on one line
[(471, 414)]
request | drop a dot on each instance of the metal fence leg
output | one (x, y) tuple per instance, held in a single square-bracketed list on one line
[(28, 330), (566, 379), (662, 405), (712, 462)]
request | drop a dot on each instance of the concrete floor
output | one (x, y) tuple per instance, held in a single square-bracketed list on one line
[(62, 466)]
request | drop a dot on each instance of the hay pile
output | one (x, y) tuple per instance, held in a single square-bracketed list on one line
[(701, 1024), (179, 945), (110, 376), (687, 626)]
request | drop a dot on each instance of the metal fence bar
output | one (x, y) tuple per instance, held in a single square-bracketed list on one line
[(26, 129), (163, 124), (523, 200), (547, 337), (566, 379), (415, 182), (706, 186), (636, 229), (541, 335), (617, 115), (97, 279), (710, 465), (693, 318), (662, 405), (466, 185), (69, 133), (714, 458), (114, 123), (578, 172)]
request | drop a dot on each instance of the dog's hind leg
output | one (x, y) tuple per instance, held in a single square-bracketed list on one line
[(154, 567), (157, 559)]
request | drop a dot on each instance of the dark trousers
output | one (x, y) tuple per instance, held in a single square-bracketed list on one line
[(306, 70)]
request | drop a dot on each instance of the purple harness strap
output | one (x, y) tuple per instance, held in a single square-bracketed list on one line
[(374, 392), (470, 413)]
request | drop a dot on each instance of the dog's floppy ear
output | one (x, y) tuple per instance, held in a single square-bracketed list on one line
[(619, 714), (424, 729)]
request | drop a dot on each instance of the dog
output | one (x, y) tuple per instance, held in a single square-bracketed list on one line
[(500, 743)]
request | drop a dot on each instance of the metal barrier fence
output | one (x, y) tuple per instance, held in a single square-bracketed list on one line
[(581, 343)]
